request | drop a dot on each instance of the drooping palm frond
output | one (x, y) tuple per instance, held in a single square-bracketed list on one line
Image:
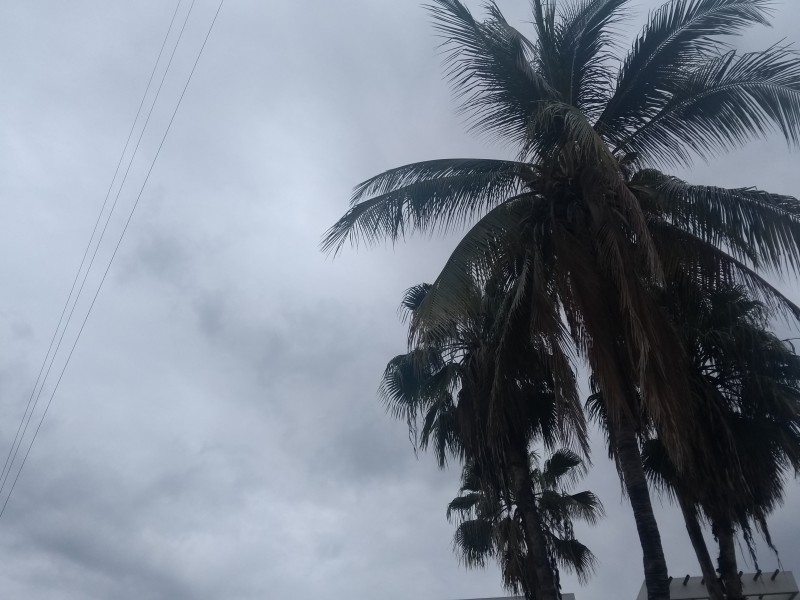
[(476, 255), (575, 557), (584, 506), (755, 226), (449, 300), (678, 36), (437, 194), (418, 388), (474, 542), (720, 104), (490, 67), (691, 258), (464, 504), (660, 471)]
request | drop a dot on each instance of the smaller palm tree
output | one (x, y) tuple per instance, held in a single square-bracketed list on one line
[(490, 523), (481, 391), (750, 382)]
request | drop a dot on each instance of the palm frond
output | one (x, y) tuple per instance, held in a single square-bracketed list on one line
[(585, 37), (574, 557), (688, 256), (404, 380), (562, 466), (490, 67), (678, 36), (756, 226), (720, 105), (440, 430), (658, 468), (412, 298), (585, 506), (464, 504), (473, 542), (479, 252), (425, 196)]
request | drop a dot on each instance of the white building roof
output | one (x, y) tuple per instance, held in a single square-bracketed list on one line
[(778, 585), (563, 597)]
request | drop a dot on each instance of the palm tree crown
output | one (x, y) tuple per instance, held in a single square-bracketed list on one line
[(488, 527)]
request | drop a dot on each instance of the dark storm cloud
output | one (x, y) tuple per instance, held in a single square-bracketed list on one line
[(217, 434)]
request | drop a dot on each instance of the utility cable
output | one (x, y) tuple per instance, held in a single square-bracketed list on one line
[(89, 245), (116, 248), (99, 242)]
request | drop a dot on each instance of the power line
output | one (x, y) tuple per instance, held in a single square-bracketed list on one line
[(99, 241), (7, 465), (113, 255)]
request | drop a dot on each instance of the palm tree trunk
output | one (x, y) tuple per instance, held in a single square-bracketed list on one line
[(522, 487), (728, 570), (629, 459), (713, 585)]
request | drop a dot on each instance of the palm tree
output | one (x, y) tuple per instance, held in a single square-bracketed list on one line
[(475, 391), (580, 224), (750, 381), (489, 527)]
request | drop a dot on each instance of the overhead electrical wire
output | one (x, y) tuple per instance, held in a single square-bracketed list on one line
[(113, 255), (86, 252), (102, 235)]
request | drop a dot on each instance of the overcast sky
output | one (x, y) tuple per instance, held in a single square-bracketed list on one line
[(217, 434)]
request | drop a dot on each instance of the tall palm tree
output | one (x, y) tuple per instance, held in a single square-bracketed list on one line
[(750, 381), (581, 224), (489, 527), (475, 391)]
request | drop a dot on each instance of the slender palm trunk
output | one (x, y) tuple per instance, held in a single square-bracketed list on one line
[(629, 457), (727, 560), (522, 486), (713, 585)]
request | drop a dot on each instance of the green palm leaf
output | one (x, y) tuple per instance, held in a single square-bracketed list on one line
[(490, 67), (584, 41), (679, 36), (423, 196), (687, 256), (463, 504), (756, 226), (473, 540), (720, 105), (575, 557)]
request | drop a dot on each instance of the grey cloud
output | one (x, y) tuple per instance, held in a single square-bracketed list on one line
[(217, 434)]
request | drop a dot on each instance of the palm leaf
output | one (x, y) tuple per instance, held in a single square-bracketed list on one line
[(688, 256), (562, 465), (720, 105), (585, 37), (585, 506), (423, 196), (480, 251), (575, 557), (490, 67), (678, 36), (413, 297), (756, 226), (464, 504), (473, 542)]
